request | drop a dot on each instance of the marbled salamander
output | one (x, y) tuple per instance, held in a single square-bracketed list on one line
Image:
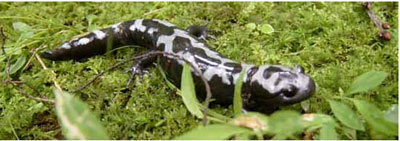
[(265, 87)]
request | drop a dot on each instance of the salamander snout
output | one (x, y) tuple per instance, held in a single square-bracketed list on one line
[(281, 85), (298, 94)]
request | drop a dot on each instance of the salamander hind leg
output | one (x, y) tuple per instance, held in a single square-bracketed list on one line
[(140, 67)]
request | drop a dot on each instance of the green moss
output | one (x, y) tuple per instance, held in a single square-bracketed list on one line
[(334, 42)]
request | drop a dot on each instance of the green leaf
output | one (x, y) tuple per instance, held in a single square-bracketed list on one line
[(76, 120), (252, 120), (315, 120), (266, 29), (25, 30), (350, 133), (328, 132), (251, 26), (305, 105), (367, 81), (188, 92), (109, 43), (17, 65), (90, 18), (21, 27), (237, 98), (214, 132), (346, 115), (284, 124), (325, 122), (169, 84), (374, 118), (392, 114)]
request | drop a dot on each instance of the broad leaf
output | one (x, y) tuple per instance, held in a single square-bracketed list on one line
[(21, 27), (285, 124), (350, 133), (266, 28), (367, 81), (346, 115), (25, 30), (17, 65), (328, 132), (251, 26), (374, 118), (392, 114), (315, 120), (237, 98), (213, 132), (188, 92), (325, 122), (76, 120)]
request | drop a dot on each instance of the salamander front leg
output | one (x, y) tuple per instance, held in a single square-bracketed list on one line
[(200, 31), (139, 68)]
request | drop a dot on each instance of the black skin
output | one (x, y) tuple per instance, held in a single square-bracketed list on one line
[(253, 98), (223, 97)]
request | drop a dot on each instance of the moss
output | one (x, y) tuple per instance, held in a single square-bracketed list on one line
[(334, 42)]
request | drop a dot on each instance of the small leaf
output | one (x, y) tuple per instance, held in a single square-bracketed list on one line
[(90, 18), (367, 81), (251, 26), (169, 84), (26, 35), (213, 132), (188, 92), (17, 65), (328, 132), (392, 114), (25, 30), (346, 115), (266, 29), (374, 118), (76, 120), (285, 124), (21, 27), (305, 105), (237, 98)]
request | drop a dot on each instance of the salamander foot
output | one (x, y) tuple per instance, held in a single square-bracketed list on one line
[(136, 69)]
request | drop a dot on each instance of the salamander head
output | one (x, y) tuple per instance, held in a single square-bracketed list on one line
[(280, 85)]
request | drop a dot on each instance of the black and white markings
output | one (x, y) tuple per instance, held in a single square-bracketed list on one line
[(82, 41), (138, 26), (282, 84), (276, 78), (99, 34)]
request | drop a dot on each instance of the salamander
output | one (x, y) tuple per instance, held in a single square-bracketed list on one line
[(264, 88)]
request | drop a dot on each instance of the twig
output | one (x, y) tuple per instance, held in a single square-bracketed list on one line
[(33, 52), (44, 67), (44, 99), (384, 34), (172, 55)]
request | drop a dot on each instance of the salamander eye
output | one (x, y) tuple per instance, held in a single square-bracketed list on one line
[(290, 92)]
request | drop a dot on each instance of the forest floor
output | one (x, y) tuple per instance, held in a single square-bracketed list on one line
[(334, 42)]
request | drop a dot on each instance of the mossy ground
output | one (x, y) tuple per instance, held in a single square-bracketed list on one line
[(334, 42)]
